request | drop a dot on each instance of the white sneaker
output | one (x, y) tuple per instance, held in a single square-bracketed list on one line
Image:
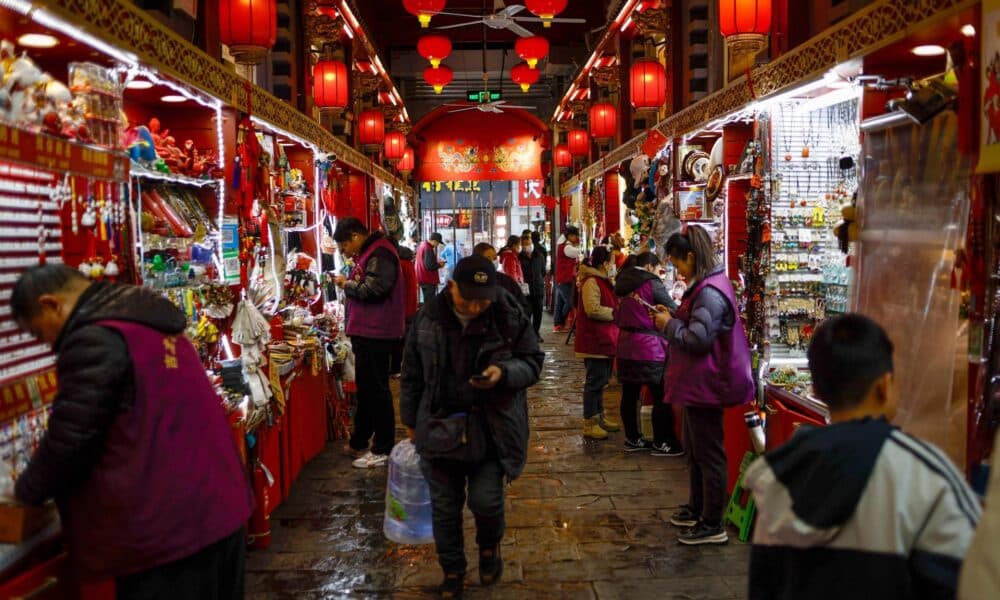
[(370, 461)]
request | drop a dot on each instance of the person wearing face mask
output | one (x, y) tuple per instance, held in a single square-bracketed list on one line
[(467, 365), (487, 251), (708, 370), (642, 354), (596, 340), (534, 261)]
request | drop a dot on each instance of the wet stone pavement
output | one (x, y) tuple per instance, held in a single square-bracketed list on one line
[(583, 521)]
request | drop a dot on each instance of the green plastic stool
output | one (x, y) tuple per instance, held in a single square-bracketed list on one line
[(741, 509)]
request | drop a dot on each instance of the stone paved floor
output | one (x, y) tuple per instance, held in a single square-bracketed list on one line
[(584, 521)]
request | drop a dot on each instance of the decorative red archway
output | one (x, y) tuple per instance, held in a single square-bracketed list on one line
[(473, 145)]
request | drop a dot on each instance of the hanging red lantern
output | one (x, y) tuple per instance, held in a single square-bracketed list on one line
[(578, 142), (406, 164), (438, 78), (742, 17), (395, 145), (424, 9), (249, 28), (434, 48), (647, 84), (603, 121), (532, 49), (546, 9), (330, 84), (524, 76), (563, 158), (371, 130)]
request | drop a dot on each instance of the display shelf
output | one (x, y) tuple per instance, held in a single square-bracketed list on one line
[(139, 171)]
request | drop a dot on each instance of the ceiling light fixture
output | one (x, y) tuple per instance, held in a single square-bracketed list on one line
[(928, 50), (139, 84), (38, 40), (968, 31), (173, 98)]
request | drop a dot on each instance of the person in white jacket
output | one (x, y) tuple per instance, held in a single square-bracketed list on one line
[(980, 576)]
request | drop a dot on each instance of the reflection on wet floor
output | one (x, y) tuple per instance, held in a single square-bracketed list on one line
[(584, 521)]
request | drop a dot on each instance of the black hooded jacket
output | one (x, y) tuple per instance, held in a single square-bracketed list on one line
[(95, 384), (629, 280)]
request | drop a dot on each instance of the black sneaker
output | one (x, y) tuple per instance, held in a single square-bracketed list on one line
[(490, 565), (685, 517), (638, 445), (453, 586), (666, 450), (704, 534)]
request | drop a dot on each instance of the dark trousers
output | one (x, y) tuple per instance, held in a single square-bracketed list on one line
[(598, 376), (213, 573), (564, 302), (706, 462), (375, 412), (396, 361), (536, 303), (447, 480), (663, 414), (428, 291)]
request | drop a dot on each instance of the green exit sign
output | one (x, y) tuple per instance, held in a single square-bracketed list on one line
[(484, 96)]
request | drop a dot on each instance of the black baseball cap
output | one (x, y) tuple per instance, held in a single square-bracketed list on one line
[(476, 278), (572, 230), (436, 237)]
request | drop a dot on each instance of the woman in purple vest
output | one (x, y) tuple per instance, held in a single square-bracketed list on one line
[(642, 354), (596, 340), (708, 370)]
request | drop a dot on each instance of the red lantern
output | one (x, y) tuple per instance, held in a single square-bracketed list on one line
[(563, 158), (603, 121), (249, 28), (532, 49), (647, 84), (546, 9), (406, 164), (424, 9), (371, 129), (330, 84), (524, 75), (434, 48), (741, 17), (438, 78), (578, 142), (395, 145)]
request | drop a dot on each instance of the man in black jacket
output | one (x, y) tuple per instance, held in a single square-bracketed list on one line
[(534, 262), (467, 365)]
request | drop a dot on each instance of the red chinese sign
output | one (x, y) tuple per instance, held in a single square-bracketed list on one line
[(530, 193), (60, 155)]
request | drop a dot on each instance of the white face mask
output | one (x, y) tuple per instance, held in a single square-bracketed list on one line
[(527, 249), (612, 270)]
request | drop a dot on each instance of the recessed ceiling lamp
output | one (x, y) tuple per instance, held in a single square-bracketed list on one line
[(968, 31), (38, 40), (172, 98), (139, 84), (928, 50)]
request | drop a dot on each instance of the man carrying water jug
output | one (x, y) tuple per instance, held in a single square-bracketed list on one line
[(469, 358)]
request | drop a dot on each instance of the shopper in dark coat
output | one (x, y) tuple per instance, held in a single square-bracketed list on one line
[(487, 251), (534, 262), (467, 365), (139, 500)]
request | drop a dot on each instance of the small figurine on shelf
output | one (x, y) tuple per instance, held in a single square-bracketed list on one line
[(140, 144)]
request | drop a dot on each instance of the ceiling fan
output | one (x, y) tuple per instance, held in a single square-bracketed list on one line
[(495, 106), (504, 18)]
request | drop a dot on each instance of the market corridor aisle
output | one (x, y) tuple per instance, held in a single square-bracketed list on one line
[(584, 521)]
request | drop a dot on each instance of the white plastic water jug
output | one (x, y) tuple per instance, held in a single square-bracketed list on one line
[(407, 498)]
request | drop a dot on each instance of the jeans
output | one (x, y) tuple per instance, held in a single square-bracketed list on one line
[(375, 412), (663, 415), (706, 454), (428, 291), (564, 301), (213, 573), (598, 375), (536, 302), (447, 480)]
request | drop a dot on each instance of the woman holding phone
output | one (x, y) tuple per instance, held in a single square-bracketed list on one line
[(596, 340), (708, 370), (642, 352)]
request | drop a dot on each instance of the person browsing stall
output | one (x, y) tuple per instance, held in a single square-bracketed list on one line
[(428, 267), (596, 340)]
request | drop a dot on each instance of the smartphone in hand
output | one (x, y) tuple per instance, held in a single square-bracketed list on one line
[(479, 378)]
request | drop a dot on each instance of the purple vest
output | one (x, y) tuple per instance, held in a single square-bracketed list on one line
[(596, 337), (425, 277), (633, 318), (170, 481), (385, 320), (720, 378)]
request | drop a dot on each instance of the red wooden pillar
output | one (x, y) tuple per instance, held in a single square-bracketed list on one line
[(612, 209)]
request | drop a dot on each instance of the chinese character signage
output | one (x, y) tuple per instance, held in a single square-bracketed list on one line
[(989, 152)]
